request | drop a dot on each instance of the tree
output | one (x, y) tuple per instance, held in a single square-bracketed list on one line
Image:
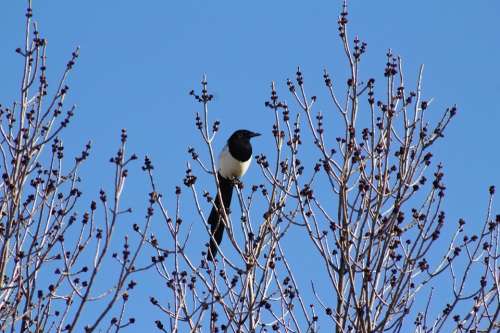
[(375, 229), (369, 204), (51, 257)]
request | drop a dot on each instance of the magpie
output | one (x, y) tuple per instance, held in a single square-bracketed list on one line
[(234, 161)]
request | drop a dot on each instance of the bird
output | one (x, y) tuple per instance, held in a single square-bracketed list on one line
[(234, 161)]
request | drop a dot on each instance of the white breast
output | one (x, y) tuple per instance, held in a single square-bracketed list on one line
[(229, 167)]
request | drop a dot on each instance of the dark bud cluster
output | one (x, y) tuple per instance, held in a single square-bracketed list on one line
[(400, 92), (452, 111), (286, 113), (363, 186), (216, 126), (198, 122), (427, 159), (319, 118), (159, 324), (342, 22), (295, 140), (149, 212), (85, 153), (299, 77), (262, 161), (423, 265), (391, 65), (371, 85), (153, 197), (207, 196), (326, 77), (72, 61), (437, 183), (277, 133), (274, 102), (123, 135), (205, 97), (189, 179), (148, 165), (102, 196), (307, 192), (366, 133), (290, 85), (359, 48)]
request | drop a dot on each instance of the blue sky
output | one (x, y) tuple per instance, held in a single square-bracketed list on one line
[(139, 60)]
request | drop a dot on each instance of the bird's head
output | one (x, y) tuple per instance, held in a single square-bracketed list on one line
[(242, 135), (239, 144)]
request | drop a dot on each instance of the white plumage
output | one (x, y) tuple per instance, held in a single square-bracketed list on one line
[(229, 167)]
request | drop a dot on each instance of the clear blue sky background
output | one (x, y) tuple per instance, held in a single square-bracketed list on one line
[(139, 60)]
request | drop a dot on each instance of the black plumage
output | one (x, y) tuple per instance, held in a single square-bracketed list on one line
[(233, 163), (215, 218)]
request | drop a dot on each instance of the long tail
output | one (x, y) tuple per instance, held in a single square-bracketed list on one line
[(215, 219)]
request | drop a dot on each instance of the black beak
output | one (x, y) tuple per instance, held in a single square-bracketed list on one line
[(253, 134)]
